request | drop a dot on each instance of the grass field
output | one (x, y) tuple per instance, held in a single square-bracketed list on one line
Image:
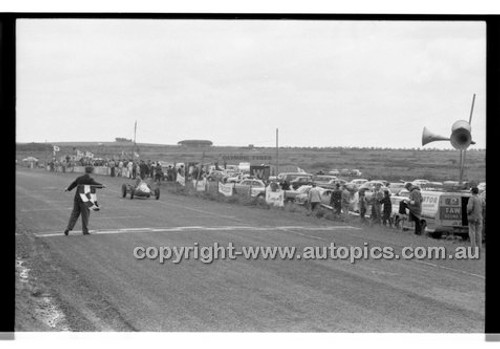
[(374, 163)]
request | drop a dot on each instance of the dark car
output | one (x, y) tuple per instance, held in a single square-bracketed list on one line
[(300, 181)]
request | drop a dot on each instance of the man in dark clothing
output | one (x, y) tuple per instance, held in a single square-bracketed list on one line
[(336, 200), (285, 185), (387, 209), (143, 169), (362, 203), (414, 203), (80, 207), (158, 173)]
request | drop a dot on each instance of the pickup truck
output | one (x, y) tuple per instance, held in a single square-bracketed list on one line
[(442, 211)]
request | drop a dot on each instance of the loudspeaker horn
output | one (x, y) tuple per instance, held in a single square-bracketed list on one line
[(428, 136), (460, 135)]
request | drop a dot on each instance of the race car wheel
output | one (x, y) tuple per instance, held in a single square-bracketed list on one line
[(124, 190), (157, 193), (131, 194)]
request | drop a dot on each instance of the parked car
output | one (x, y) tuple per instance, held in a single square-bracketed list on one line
[(371, 184), (303, 197), (334, 172), (396, 187), (290, 176), (323, 179), (420, 182), (332, 183), (358, 182), (245, 185), (300, 181), (383, 181), (291, 194), (433, 186), (238, 178)]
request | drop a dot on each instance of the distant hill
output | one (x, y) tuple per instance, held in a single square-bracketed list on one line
[(390, 164)]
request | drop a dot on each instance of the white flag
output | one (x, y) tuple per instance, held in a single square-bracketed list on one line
[(181, 180), (200, 185)]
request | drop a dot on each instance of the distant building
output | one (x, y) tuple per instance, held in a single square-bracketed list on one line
[(195, 143)]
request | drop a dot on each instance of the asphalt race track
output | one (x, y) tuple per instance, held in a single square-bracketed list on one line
[(98, 285)]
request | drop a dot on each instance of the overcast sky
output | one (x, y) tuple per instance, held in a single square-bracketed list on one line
[(322, 83)]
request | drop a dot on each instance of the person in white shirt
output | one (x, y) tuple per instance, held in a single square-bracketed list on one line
[(120, 169), (130, 167), (314, 198)]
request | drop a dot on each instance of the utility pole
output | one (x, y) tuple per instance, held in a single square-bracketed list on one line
[(135, 135), (277, 154)]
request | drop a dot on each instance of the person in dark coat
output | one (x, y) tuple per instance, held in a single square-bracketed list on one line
[(414, 203), (285, 185), (336, 200), (79, 207), (363, 204), (386, 209), (158, 173)]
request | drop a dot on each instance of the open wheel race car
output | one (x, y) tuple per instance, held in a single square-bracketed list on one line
[(140, 189)]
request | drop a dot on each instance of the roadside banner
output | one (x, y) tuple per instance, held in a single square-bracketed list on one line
[(226, 189), (200, 185), (275, 198), (261, 172), (181, 180)]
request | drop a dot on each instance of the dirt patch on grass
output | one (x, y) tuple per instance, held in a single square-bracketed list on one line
[(37, 308)]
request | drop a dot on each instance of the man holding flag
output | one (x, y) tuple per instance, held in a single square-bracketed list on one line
[(84, 201)]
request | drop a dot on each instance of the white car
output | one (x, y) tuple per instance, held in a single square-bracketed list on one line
[(420, 182), (358, 182), (396, 187), (302, 198), (371, 184), (249, 184), (323, 179)]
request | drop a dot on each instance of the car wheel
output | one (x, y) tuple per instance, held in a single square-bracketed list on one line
[(436, 234), (124, 190)]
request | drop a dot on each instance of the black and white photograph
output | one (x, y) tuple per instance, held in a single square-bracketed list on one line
[(250, 174)]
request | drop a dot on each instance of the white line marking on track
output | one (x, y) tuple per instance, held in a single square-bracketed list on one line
[(195, 228), (45, 209), (452, 269)]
